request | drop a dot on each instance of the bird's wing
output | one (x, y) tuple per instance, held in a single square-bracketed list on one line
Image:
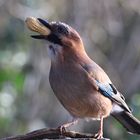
[(110, 92), (106, 88)]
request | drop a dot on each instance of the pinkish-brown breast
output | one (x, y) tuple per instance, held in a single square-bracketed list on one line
[(74, 89)]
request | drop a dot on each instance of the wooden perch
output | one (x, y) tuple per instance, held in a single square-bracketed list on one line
[(52, 134)]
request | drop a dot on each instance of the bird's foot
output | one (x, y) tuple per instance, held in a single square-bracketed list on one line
[(99, 135), (62, 129)]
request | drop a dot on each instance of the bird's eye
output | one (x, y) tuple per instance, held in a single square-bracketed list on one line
[(62, 30)]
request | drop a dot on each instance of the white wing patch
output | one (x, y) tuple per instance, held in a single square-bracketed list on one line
[(116, 108)]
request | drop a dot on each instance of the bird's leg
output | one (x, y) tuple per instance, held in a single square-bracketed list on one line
[(68, 124), (99, 135)]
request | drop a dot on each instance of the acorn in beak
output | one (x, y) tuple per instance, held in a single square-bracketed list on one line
[(54, 32), (40, 26)]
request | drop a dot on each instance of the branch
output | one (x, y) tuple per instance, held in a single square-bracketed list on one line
[(52, 134)]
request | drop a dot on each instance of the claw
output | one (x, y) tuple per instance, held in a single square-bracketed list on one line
[(99, 136), (62, 129)]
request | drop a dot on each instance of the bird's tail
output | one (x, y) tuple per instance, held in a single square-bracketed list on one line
[(131, 124)]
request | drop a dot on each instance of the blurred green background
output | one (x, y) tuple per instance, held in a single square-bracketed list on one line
[(111, 33)]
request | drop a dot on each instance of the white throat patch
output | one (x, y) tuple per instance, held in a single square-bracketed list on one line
[(53, 50)]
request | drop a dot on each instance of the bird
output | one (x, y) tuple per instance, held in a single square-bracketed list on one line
[(81, 85)]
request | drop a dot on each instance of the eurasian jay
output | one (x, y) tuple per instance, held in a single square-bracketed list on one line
[(82, 86)]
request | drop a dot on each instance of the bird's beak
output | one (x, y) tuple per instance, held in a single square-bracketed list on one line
[(40, 26)]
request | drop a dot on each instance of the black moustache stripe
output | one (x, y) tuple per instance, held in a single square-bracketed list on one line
[(54, 39)]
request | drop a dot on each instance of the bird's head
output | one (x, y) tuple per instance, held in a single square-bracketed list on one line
[(63, 40)]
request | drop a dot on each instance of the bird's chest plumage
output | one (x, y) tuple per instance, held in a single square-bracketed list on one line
[(76, 92), (69, 82)]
